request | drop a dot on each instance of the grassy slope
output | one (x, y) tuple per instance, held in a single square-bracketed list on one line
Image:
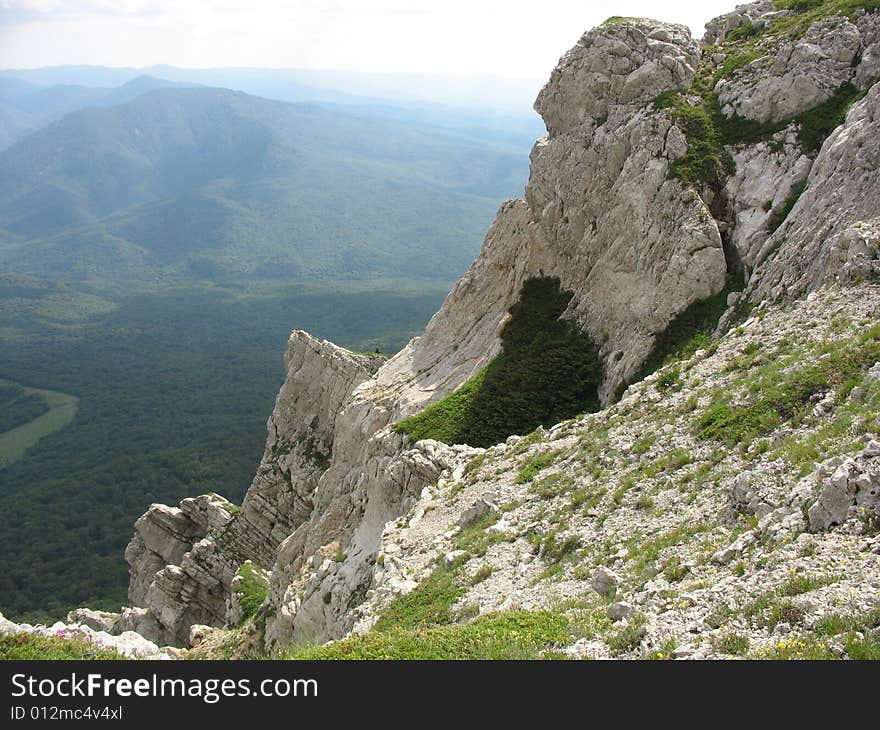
[(766, 387), (27, 647)]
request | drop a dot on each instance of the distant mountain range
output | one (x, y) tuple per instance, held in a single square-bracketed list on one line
[(481, 94), (161, 178), (26, 106)]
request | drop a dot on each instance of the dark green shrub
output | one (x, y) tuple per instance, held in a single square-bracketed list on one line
[(547, 371)]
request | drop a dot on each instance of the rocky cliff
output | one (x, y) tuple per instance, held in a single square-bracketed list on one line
[(675, 175)]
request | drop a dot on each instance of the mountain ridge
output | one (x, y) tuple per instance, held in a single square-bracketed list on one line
[(113, 175)]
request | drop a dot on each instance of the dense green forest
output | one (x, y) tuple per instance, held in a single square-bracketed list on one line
[(17, 406), (175, 387)]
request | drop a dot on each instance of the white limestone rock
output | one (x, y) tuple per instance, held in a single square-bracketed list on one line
[(832, 234), (796, 76)]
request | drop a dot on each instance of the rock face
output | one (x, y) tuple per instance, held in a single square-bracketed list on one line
[(636, 245), (830, 233), (833, 232), (799, 76)]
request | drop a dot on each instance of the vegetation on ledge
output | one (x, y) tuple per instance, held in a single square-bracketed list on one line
[(513, 635), (29, 647), (253, 587), (706, 161), (698, 113), (547, 371)]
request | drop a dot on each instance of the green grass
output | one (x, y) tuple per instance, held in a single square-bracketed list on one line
[(555, 549), (628, 637), (475, 539), (447, 419), (798, 584), (429, 604), (535, 464), (514, 635), (645, 550), (776, 396), (775, 607), (482, 574), (547, 371), (27, 647), (254, 588), (834, 624), (552, 485), (733, 644), (669, 378)]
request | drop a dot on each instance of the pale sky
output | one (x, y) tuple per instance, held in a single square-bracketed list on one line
[(454, 37)]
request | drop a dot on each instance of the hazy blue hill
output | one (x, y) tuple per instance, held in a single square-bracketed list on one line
[(512, 97), (184, 180), (12, 87), (26, 107), (136, 87), (57, 100)]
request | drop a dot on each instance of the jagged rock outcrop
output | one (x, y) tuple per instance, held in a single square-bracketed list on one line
[(183, 561), (791, 73), (796, 75), (326, 567), (833, 231), (852, 488), (637, 244)]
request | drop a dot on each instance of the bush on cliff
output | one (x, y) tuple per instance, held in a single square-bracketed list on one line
[(548, 370)]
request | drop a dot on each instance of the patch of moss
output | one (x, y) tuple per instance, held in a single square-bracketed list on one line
[(547, 371)]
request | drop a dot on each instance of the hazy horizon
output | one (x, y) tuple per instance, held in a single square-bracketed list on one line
[(458, 39)]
